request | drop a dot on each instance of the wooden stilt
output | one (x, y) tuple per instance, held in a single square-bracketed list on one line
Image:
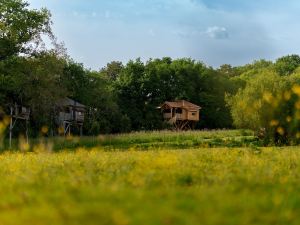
[(17, 113), (27, 136)]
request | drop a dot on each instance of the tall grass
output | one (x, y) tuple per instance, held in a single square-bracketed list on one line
[(151, 140), (199, 186)]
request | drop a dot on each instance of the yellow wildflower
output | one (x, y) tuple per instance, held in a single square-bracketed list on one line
[(280, 130), (296, 89), (61, 130), (23, 144), (287, 95), (6, 120), (289, 119), (268, 97), (274, 123), (297, 105), (44, 129)]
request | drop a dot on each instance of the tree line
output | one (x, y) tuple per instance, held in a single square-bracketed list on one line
[(124, 97)]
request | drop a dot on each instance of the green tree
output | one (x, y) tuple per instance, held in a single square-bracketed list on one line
[(112, 70), (142, 87), (228, 70), (21, 28), (269, 103), (93, 89), (287, 65)]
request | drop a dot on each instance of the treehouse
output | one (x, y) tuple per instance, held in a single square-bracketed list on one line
[(183, 115), (70, 114), (18, 113)]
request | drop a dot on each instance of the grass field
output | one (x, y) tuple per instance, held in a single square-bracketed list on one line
[(165, 185), (150, 140)]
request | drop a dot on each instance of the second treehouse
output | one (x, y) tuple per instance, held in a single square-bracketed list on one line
[(183, 115)]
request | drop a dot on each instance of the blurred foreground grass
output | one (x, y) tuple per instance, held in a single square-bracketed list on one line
[(191, 186)]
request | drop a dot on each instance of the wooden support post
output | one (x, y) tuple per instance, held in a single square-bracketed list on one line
[(81, 131), (193, 125), (65, 128), (184, 125), (27, 138)]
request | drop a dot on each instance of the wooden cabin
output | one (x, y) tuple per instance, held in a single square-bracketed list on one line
[(18, 113), (70, 113), (182, 114)]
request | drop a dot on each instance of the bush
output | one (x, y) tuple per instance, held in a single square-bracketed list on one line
[(270, 105)]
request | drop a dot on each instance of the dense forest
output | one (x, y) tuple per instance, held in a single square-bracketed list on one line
[(262, 95)]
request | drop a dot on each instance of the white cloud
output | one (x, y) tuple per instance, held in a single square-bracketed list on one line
[(216, 32)]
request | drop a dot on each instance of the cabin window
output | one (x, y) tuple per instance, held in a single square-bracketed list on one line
[(194, 113), (67, 110), (179, 111), (167, 111)]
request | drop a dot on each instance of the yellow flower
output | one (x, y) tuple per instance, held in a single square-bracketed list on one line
[(280, 130), (268, 97), (287, 95), (44, 129), (23, 144), (274, 123), (297, 105), (296, 89), (289, 119), (6, 120), (61, 130)]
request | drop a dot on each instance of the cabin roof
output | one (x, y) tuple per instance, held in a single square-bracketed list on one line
[(70, 102), (181, 104)]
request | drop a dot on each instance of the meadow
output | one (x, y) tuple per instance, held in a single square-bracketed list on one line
[(117, 180), (146, 140)]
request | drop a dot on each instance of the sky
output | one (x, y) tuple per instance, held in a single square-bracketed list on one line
[(216, 32)]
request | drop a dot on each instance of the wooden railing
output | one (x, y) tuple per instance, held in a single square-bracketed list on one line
[(167, 115), (178, 116), (79, 118), (71, 117)]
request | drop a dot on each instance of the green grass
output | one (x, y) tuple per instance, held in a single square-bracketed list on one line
[(195, 186), (152, 140), (163, 139), (151, 178)]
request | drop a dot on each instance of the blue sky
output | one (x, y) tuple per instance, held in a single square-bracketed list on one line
[(216, 32)]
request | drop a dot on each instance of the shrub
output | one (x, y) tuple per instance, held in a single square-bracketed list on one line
[(270, 105)]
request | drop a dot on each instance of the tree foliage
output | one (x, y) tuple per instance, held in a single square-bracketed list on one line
[(141, 88), (263, 96), (287, 65), (21, 28), (270, 105)]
